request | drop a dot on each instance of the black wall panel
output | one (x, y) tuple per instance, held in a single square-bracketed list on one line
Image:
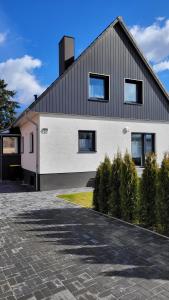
[(112, 54)]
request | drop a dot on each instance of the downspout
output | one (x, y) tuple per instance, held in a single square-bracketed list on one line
[(37, 148)]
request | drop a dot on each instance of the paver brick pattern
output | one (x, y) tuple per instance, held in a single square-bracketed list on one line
[(51, 249)]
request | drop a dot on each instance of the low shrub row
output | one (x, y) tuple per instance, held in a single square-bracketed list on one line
[(120, 193)]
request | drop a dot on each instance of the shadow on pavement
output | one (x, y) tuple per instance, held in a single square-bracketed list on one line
[(125, 250), (14, 187)]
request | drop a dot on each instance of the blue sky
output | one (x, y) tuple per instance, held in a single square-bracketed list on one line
[(30, 32)]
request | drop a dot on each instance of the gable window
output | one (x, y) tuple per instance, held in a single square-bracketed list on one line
[(98, 87), (10, 145), (141, 144), (22, 144), (31, 143), (87, 141), (133, 91)]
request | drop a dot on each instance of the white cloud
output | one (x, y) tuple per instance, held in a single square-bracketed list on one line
[(160, 19), (162, 66), (154, 41), (18, 73), (2, 37)]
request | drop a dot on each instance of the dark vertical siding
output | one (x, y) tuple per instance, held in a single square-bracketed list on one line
[(115, 55), (0, 157)]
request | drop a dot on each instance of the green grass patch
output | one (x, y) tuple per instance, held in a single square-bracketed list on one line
[(84, 199)]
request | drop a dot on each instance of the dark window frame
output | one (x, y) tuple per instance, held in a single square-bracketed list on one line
[(93, 141), (139, 91), (143, 138), (31, 142), (106, 79), (22, 144)]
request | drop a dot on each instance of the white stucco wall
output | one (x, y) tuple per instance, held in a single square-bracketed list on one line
[(59, 147), (28, 160)]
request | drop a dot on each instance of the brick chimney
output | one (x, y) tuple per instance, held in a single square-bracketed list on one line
[(66, 53)]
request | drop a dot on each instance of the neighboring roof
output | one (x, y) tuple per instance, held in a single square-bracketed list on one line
[(9, 132), (121, 22), (4, 131)]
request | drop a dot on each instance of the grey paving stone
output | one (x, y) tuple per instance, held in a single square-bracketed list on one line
[(65, 294), (51, 249)]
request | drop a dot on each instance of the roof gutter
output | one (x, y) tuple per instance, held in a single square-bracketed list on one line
[(37, 145)]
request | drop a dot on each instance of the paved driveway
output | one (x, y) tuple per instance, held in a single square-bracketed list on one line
[(50, 249)]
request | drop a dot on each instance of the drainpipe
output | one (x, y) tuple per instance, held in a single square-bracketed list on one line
[(37, 141)]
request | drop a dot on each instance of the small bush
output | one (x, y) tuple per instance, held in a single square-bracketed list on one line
[(115, 182), (148, 191), (97, 188), (104, 188), (128, 188), (163, 195)]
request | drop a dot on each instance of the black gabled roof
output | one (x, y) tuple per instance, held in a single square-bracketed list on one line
[(120, 21)]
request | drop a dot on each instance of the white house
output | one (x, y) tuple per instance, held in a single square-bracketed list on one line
[(107, 99)]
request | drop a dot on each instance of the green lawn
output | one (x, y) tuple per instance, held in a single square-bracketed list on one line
[(83, 199)]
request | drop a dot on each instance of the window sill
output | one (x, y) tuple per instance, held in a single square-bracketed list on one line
[(133, 103), (139, 167), (86, 152), (98, 100)]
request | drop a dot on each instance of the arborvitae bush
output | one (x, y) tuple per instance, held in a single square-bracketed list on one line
[(104, 189), (96, 188), (115, 182), (128, 188), (163, 195), (148, 191)]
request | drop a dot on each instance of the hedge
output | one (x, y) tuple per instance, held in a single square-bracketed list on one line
[(97, 188), (128, 188), (148, 192), (163, 196), (119, 193), (104, 186), (115, 182)]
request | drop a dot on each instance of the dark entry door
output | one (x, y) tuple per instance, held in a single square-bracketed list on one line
[(10, 158)]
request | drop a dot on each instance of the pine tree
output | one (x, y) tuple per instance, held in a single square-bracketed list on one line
[(97, 188), (163, 195), (104, 190), (148, 191), (128, 188), (7, 106), (115, 182)]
